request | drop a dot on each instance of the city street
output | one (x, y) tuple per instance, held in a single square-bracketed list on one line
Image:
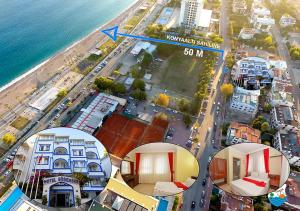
[(206, 150), (284, 54)]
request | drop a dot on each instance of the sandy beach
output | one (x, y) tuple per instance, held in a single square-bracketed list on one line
[(13, 93)]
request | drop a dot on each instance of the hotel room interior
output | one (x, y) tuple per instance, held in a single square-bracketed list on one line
[(249, 169), (159, 169)]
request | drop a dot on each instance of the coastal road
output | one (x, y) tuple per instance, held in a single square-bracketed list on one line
[(121, 51)]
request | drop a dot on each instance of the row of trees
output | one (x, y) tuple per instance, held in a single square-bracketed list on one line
[(138, 92), (105, 84), (203, 81), (295, 53), (262, 40)]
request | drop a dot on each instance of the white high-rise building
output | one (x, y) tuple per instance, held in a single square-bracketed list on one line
[(190, 12)]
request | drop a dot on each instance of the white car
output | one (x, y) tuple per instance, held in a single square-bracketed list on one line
[(209, 158), (212, 141), (155, 111)]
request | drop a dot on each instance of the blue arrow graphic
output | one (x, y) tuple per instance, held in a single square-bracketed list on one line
[(113, 34)]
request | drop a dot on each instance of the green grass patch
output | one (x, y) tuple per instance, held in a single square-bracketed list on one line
[(180, 74), (20, 123), (94, 58)]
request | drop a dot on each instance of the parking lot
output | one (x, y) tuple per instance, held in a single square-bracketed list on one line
[(178, 133)]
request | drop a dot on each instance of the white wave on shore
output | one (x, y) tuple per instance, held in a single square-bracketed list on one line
[(32, 70)]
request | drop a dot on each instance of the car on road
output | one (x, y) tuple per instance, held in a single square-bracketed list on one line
[(7, 160), (193, 205), (213, 141), (201, 204), (209, 158), (189, 144), (203, 194), (203, 182), (155, 111)]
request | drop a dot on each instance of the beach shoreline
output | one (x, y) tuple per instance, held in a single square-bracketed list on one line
[(27, 82)]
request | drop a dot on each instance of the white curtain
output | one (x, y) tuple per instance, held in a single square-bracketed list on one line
[(256, 162), (125, 167), (154, 167)]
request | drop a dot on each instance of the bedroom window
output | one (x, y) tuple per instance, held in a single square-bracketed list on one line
[(154, 167), (125, 167)]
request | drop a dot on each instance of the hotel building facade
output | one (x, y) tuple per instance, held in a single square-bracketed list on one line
[(60, 157)]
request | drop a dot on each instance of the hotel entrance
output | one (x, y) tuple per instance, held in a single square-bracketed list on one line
[(61, 195)]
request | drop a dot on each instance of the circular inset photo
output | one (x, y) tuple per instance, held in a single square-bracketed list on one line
[(62, 167), (159, 169), (249, 169)]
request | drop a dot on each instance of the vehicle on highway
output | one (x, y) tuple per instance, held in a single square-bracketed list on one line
[(209, 158), (193, 205), (212, 141)]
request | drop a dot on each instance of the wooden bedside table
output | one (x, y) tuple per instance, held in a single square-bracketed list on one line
[(274, 181)]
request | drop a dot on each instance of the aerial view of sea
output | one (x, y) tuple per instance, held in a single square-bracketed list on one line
[(31, 31)]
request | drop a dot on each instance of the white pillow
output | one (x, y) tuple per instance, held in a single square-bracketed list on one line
[(189, 181), (263, 175), (254, 174)]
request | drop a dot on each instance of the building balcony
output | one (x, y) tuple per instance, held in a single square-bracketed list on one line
[(80, 169), (61, 171)]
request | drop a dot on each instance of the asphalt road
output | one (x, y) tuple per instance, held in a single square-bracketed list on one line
[(206, 150)]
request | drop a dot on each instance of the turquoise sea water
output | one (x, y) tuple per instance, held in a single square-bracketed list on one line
[(32, 30)]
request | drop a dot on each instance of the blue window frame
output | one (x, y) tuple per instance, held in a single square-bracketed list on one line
[(77, 152), (44, 147)]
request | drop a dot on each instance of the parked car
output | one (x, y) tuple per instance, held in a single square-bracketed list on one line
[(203, 194), (201, 204)]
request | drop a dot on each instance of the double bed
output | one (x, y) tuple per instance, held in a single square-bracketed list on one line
[(247, 188), (170, 188)]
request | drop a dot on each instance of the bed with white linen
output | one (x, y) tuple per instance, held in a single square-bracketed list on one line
[(245, 188), (169, 188)]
